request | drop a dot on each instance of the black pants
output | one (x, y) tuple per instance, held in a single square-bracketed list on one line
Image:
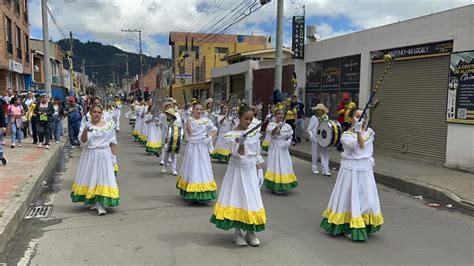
[(34, 128), (44, 129)]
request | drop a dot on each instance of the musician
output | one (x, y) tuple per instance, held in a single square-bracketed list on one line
[(240, 204), (316, 149), (162, 125), (132, 116), (170, 158), (221, 151), (279, 176), (196, 180), (354, 207)]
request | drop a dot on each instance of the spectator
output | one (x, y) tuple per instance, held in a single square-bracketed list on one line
[(57, 123), (4, 107), (7, 98), (44, 110), (299, 126), (3, 129), (33, 118), (15, 112), (74, 114)]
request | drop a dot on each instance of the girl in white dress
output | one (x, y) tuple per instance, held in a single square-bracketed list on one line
[(221, 151), (138, 122), (240, 203), (144, 125), (94, 183), (354, 207), (153, 144), (316, 149), (196, 181), (279, 176)]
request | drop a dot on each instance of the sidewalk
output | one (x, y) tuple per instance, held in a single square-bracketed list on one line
[(417, 178), (20, 179)]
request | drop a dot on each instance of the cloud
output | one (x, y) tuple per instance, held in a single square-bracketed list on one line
[(103, 20)]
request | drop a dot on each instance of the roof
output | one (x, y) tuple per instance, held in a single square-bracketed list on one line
[(224, 38)]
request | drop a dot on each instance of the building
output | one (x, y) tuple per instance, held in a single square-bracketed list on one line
[(412, 117), (57, 69), (194, 55), (15, 67)]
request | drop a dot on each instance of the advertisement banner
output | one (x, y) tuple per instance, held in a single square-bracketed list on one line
[(313, 76), (460, 106), (331, 74), (297, 47), (415, 50), (350, 72)]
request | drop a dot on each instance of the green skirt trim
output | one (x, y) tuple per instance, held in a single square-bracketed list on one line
[(105, 201), (279, 187), (136, 138), (227, 224), (220, 157), (265, 148), (198, 196), (153, 151), (357, 234)]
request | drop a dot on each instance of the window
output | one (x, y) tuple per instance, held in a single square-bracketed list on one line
[(8, 34), (197, 75), (181, 49), (221, 50), (17, 6), (19, 51), (196, 50), (25, 14), (27, 48)]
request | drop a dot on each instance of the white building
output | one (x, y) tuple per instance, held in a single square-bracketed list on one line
[(411, 118)]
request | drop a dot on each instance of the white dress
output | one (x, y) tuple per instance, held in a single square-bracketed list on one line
[(279, 175), (95, 179), (316, 149), (144, 126), (221, 151), (153, 144), (196, 180), (354, 205), (240, 202), (138, 123)]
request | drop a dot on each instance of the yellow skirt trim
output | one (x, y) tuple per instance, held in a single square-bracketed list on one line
[(355, 222), (239, 214), (222, 151), (116, 167), (280, 178), (196, 187), (266, 143), (105, 191), (153, 145)]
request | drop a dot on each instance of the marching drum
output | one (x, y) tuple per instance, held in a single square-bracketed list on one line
[(329, 133), (174, 137)]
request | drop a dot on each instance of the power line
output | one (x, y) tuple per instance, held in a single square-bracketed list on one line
[(56, 22)]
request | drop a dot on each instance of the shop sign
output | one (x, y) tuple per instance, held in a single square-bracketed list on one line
[(15, 66), (298, 37), (460, 106), (415, 50)]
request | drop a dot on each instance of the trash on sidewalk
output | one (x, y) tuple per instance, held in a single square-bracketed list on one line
[(434, 205), (449, 205), (418, 197)]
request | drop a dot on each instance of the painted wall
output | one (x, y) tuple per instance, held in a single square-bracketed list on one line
[(456, 24)]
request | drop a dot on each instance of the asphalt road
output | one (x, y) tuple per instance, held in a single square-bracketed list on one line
[(154, 225)]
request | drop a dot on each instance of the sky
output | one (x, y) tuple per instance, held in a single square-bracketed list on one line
[(103, 20)]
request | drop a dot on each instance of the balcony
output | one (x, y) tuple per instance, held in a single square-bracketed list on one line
[(9, 48)]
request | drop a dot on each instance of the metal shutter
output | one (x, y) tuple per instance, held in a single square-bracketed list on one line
[(412, 111)]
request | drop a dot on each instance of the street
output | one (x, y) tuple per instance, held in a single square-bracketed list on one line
[(153, 225)]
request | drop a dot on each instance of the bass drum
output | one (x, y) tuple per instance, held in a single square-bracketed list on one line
[(329, 133), (174, 137)]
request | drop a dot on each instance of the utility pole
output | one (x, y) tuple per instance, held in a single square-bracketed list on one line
[(71, 64), (279, 47), (47, 61), (140, 78), (127, 89)]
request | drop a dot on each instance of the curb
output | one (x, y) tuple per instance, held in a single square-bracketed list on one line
[(17, 209), (408, 185)]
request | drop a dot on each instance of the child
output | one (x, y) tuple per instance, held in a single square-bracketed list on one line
[(170, 153), (316, 149), (153, 144)]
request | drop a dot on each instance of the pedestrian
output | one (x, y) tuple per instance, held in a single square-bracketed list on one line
[(3, 130), (57, 122), (44, 110), (95, 183), (4, 106), (15, 113), (74, 115), (279, 176), (317, 151), (29, 100), (33, 120), (153, 144), (171, 150), (300, 115), (196, 180), (221, 151), (240, 204), (354, 207)]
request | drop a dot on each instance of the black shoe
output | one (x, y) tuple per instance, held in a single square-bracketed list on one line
[(4, 160)]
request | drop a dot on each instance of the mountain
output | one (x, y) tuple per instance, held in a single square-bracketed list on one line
[(102, 61)]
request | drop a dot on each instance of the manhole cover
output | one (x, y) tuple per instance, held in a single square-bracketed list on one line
[(39, 212)]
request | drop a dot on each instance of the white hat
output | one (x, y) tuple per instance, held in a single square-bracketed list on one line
[(320, 106)]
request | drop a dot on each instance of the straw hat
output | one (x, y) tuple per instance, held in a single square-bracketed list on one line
[(163, 106), (208, 101), (320, 106), (171, 111)]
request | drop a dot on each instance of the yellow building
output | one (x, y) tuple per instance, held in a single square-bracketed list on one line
[(194, 55)]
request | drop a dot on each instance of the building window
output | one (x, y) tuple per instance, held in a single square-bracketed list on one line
[(221, 50), (181, 49), (25, 13), (8, 34), (19, 51), (17, 6), (27, 48), (197, 75), (196, 50)]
